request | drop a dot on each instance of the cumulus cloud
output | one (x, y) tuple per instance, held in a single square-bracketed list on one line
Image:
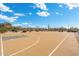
[(72, 5), (19, 14), (44, 9), (8, 19), (5, 8), (43, 13), (42, 6)]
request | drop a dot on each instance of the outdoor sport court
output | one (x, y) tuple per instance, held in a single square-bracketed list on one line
[(39, 44)]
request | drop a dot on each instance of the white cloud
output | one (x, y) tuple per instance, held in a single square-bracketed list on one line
[(24, 24), (72, 5), (27, 24), (44, 9), (58, 13), (60, 5), (4, 8), (43, 13), (17, 24), (30, 13), (8, 19), (42, 6), (19, 14), (15, 17)]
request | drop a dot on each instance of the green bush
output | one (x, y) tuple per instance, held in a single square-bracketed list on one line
[(3, 29)]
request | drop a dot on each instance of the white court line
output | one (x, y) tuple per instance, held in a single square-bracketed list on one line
[(58, 45), (2, 53), (26, 47)]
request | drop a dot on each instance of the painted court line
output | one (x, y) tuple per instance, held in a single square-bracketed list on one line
[(58, 45), (26, 47), (2, 53)]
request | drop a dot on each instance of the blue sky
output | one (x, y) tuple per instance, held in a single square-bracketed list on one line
[(40, 14)]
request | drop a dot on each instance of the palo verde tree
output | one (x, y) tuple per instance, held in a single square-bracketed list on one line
[(4, 27)]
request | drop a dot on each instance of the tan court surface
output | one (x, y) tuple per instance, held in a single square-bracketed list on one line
[(0, 49), (40, 44)]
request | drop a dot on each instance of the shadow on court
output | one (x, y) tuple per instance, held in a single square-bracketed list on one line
[(14, 43)]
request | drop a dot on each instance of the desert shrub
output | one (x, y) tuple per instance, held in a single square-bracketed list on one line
[(15, 29), (3, 29), (24, 31)]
